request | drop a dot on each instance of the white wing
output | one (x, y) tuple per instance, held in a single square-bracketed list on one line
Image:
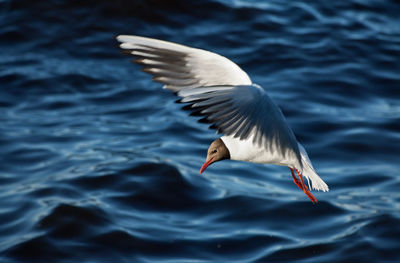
[(180, 67), (217, 88)]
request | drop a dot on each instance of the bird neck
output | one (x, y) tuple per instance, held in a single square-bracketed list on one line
[(224, 149)]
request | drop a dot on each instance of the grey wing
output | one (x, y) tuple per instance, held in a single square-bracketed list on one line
[(180, 67), (243, 112), (214, 87)]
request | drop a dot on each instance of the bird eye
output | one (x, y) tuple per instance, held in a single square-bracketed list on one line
[(214, 151)]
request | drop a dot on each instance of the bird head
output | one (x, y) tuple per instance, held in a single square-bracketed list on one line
[(216, 152)]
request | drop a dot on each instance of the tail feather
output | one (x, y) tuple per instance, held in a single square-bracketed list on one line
[(310, 174)]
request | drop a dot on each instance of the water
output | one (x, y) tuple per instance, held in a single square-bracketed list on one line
[(98, 164)]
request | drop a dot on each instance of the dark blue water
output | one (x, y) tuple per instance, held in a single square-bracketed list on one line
[(97, 163)]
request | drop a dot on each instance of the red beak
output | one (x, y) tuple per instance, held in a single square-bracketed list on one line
[(205, 165)]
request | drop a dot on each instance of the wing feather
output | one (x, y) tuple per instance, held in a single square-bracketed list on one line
[(216, 88), (243, 112), (193, 67)]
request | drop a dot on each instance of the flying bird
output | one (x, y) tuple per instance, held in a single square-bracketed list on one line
[(253, 127)]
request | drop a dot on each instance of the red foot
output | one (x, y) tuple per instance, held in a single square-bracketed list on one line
[(302, 186)]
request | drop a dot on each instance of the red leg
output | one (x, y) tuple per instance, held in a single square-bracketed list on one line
[(302, 181), (295, 180), (303, 186), (305, 189)]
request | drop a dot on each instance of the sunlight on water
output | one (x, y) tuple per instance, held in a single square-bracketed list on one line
[(100, 165)]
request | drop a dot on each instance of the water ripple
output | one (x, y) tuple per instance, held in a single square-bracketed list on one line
[(99, 164)]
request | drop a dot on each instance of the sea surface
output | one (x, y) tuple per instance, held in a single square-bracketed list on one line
[(98, 164)]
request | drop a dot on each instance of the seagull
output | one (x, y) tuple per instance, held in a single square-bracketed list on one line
[(253, 127)]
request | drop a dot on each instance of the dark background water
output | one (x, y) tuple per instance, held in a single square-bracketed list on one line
[(99, 165)]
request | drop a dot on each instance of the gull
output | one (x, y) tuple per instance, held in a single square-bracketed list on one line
[(253, 127)]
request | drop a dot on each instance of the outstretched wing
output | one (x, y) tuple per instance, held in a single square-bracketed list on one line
[(180, 67), (216, 88)]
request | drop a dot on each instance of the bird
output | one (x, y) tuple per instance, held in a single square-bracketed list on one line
[(252, 126)]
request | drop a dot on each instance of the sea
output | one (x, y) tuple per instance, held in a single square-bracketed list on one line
[(99, 164)]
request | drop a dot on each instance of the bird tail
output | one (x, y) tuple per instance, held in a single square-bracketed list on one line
[(309, 172)]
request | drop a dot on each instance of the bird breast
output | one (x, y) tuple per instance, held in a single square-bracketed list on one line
[(246, 150)]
